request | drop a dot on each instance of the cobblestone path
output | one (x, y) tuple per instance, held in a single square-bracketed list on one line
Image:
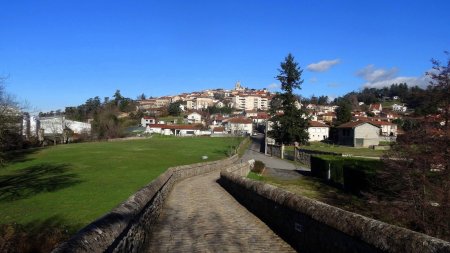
[(200, 216)]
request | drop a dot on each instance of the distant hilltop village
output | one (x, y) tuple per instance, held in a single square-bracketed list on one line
[(239, 98)]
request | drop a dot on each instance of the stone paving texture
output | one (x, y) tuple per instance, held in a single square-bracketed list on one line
[(200, 216)]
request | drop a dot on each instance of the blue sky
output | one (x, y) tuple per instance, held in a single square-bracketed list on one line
[(60, 53)]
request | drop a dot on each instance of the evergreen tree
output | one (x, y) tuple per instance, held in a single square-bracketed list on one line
[(343, 112), (289, 123)]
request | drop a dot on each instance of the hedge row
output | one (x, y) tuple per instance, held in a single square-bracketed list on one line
[(352, 174)]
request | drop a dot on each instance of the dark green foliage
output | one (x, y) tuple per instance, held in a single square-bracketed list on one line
[(360, 175), (290, 125), (258, 167), (215, 110), (352, 174), (407, 124), (343, 112), (322, 100), (174, 109)]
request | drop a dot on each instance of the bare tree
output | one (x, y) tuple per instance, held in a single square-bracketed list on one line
[(416, 179), (10, 122)]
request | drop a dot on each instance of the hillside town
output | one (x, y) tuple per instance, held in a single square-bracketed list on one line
[(239, 111)]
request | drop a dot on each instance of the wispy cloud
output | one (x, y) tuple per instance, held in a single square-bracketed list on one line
[(273, 86), (313, 80), (322, 66), (379, 77), (333, 85)]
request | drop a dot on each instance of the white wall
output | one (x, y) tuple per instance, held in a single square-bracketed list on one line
[(318, 133)]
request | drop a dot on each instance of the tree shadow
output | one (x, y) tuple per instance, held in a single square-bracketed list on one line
[(35, 236), (36, 179), (23, 155)]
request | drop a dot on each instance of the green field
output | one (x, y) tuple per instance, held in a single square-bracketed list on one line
[(72, 185), (317, 189), (320, 146)]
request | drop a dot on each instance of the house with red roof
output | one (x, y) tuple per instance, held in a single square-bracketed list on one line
[(376, 108), (318, 131), (239, 125), (176, 130), (387, 128), (358, 134), (147, 120)]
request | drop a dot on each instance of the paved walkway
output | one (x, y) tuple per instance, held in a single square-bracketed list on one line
[(200, 216), (253, 152)]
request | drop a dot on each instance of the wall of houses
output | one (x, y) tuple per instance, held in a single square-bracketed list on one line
[(55, 125), (250, 102), (240, 128), (366, 135), (318, 133)]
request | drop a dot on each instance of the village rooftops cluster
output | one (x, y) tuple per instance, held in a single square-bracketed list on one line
[(239, 98)]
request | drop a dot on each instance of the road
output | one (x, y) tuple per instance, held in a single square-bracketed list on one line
[(276, 167)]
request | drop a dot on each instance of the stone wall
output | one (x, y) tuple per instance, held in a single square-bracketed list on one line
[(127, 227), (303, 156), (274, 150), (312, 226)]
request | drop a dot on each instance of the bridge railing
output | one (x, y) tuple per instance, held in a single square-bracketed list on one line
[(312, 226)]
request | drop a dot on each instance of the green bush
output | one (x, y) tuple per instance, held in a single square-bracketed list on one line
[(353, 174), (258, 167), (360, 175), (320, 165)]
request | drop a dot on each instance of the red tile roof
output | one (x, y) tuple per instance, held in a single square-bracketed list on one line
[(317, 124), (375, 107), (382, 123), (354, 124), (240, 120), (218, 129), (179, 127)]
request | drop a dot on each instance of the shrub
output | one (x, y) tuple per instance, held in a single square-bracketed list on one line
[(258, 167), (353, 174)]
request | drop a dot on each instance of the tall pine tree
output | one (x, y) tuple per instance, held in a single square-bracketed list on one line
[(289, 123)]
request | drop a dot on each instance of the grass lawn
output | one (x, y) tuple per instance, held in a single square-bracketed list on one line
[(77, 183), (320, 146), (315, 188)]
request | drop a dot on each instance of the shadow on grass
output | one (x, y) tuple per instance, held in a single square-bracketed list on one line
[(36, 236), (36, 179), (22, 155)]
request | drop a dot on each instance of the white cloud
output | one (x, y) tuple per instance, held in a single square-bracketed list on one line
[(322, 65), (372, 74), (313, 80), (333, 85), (273, 86), (378, 77)]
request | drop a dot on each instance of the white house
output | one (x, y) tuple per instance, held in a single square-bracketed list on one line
[(220, 104), (176, 130), (399, 108), (387, 128), (375, 108), (239, 125), (194, 117), (251, 113), (146, 120), (56, 125), (318, 131)]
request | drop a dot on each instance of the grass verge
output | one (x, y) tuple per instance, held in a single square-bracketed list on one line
[(80, 182)]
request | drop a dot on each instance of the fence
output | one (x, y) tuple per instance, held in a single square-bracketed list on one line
[(275, 150)]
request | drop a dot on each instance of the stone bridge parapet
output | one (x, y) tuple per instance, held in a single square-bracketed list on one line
[(127, 227), (312, 226)]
